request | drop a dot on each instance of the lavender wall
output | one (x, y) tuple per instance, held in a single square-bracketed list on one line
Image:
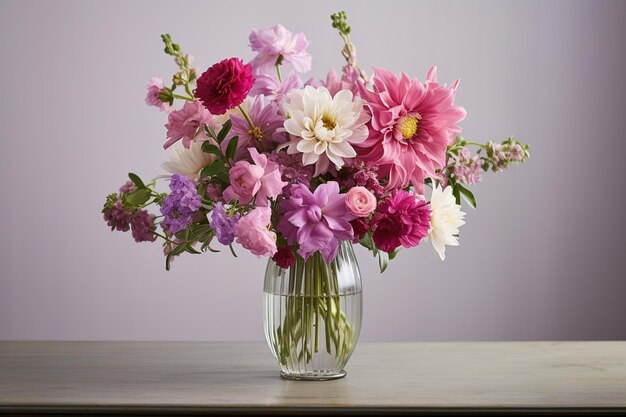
[(542, 258)]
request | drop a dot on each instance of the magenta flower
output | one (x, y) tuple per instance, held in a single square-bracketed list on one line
[(224, 85), (277, 42), (266, 120), (284, 257), (252, 232), (315, 221), (401, 220), (261, 179), (154, 86), (411, 126), (187, 122)]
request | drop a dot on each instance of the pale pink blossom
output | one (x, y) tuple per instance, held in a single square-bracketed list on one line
[(252, 232), (360, 201), (277, 42), (188, 123), (154, 86)]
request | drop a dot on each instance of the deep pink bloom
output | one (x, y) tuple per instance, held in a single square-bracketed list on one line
[(315, 221), (154, 86), (186, 122), (284, 257), (266, 120), (360, 201), (253, 234), (261, 179), (401, 220), (224, 85), (360, 227), (411, 126), (276, 42)]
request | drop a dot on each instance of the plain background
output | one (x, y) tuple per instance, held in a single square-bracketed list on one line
[(541, 258)]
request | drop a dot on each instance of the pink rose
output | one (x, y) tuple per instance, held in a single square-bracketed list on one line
[(360, 201), (224, 85), (252, 232), (261, 179)]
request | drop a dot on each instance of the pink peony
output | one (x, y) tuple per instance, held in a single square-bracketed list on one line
[(401, 220), (315, 221), (261, 179), (284, 257), (187, 122), (360, 201), (277, 42), (251, 232), (154, 86), (411, 127), (224, 85)]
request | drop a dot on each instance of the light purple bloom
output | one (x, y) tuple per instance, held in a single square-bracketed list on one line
[(269, 86), (276, 42), (142, 225), (264, 116), (223, 224), (316, 221), (467, 168), (180, 205), (154, 86)]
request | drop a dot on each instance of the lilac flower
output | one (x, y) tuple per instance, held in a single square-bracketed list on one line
[(118, 217), (315, 221), (180, 205), (224, 224), (128, 187), (271, 87), (142, 225), (291, 169), (277, 43), (467, 168), (266, 120)]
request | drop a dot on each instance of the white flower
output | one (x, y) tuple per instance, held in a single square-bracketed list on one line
[(446, 218), (324, 127), (188, 162)]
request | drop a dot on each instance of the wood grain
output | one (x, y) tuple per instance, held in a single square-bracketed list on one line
[(218, 378)]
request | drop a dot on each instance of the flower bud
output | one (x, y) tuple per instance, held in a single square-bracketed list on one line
[(166, 95)]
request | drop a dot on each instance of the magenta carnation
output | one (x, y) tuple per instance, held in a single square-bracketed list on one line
[(224, 85), (315, 221), (411, 126), (401, 220), (284, 257), (187, 122)]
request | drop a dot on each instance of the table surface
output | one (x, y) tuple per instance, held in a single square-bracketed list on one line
[(221, 378)]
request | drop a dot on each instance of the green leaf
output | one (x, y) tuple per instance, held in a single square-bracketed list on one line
[(232, 250), (136, 180), (213, 169), (208, 147), (224, 131), (137, 198), (467, 195), (383, 260), (231, 149), (456, 193), (209, 132), (367, 241)]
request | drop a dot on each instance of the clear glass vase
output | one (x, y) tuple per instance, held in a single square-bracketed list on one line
[(312, 314)]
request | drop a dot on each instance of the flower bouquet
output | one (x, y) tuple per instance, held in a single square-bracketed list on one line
[(299, 171)]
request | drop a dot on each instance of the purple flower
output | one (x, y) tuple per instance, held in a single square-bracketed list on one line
[(316, 221), (291, 169), (467, 168), (142, 225), (128, 187), (118, 217), (271, 87), (266, 120), (180, 205), (224, 224)]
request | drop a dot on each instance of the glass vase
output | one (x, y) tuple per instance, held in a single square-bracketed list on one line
[(312, 314)]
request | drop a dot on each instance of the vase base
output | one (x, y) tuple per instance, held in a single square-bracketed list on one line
[(314, 376)]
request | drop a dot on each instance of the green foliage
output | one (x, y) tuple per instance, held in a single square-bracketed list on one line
[(213, 169), (224, 131), (231, 149), (208, 147), (137, 198)]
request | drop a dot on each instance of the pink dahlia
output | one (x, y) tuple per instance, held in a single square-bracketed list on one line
[(277, 43), (411, 126), (315, 221), (187, 122), (400, 220), (224, 85)]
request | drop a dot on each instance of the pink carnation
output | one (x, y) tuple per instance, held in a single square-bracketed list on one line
[(360, 201), (277, 42), (261, 179), (154, 86), (186, 122), (401, 220), (411, 126), (224, 85), (251, 232)]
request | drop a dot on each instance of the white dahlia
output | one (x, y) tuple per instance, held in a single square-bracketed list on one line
[(324, 127), (188, 162), (446, 218)]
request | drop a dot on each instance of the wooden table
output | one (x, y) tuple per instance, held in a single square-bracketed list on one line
[(132, 378)]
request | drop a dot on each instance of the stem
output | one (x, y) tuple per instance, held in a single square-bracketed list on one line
[(178, 96), (280, 77), (480, 145), (188, 90), (163, 237), (245, 115)]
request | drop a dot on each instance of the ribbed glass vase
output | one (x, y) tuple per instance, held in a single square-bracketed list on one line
[(312, 314)]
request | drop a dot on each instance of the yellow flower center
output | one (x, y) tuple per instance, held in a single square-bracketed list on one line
[(256, 133), (328, 123), (407, 126)]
